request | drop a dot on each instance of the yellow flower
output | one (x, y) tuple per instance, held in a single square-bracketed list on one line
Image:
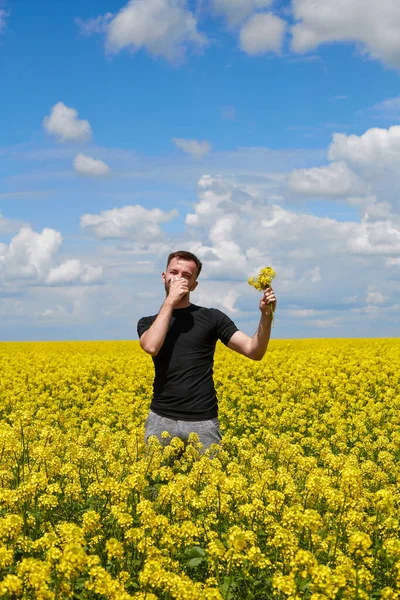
[(303, 493), (360, 544), (114, 549), (6, 557), (11, 584), (263, 280)]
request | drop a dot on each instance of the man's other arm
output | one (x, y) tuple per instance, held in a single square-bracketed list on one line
[(255, 347), (152, 339)]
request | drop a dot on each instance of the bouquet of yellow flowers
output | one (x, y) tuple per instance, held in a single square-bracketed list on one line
[(263, 281)]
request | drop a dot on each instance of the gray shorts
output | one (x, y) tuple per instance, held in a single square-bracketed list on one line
[(208, 431)]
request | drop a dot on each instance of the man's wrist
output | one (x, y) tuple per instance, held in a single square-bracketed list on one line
[(168, 304), (267, 316)]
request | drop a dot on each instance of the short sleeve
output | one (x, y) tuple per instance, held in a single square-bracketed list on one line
[(225, 326), (144, 324)]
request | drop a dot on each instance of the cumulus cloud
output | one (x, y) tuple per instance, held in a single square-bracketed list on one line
[(164, 28), (221, 296), (261, 33), (196, 149), (377, 148), (332, 180), (30, 257), (64, 124), (129, 222), (375, 298), (10, 225), (236, 11), (373, 25), (320, 261), (73, 271), (90, 167), (29, 253), (379, 238), (95, 25), (215, 194)]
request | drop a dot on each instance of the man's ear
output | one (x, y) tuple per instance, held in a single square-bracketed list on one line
[(163, 276), (194, 286)]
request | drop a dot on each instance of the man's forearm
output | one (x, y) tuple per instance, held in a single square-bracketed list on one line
[(152, 340), (259, 342)]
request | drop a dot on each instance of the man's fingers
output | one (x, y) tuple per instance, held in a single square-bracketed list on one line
[(269, 297)]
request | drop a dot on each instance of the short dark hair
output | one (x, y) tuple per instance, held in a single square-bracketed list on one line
[(185, 256)]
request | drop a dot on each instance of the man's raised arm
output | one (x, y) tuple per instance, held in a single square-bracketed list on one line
[(255, 347), (152, 339)]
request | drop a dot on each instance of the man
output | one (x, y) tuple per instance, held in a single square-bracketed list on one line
[(181, 338)]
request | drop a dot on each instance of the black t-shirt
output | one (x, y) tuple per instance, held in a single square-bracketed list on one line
[(183, 384)]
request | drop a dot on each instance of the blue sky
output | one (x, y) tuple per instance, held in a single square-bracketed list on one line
[(251, 132)]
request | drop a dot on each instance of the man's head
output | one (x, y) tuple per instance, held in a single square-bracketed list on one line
[(182, 264)]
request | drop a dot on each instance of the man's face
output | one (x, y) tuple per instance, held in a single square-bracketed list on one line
[(177, 268)]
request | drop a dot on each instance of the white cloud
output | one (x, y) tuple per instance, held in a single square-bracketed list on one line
[(389, 108), (261, 33), (238, 229), (3, 17), (235, 232), (196, 149), (376, 148), (375, 298), (30, 254), (235, 229), (63, 123), (374, 210), (371, 24), (29, 258), (380, 238), (88, 166), (95, 25), (129, 222), (73, 271), (236, 11), (10, 225), (228, 301), (333, 180), (219, 295), (215, 197), (163, 27)]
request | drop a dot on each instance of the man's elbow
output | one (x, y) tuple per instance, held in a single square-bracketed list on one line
[(151, 351), (148, 348), (257, 356)]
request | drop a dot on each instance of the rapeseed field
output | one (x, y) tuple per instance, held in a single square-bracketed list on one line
[(301, 502)]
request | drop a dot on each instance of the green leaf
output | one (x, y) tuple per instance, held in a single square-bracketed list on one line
[(193, 562), (194, 556), (305, 585), (228, 585), (195, 551)]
